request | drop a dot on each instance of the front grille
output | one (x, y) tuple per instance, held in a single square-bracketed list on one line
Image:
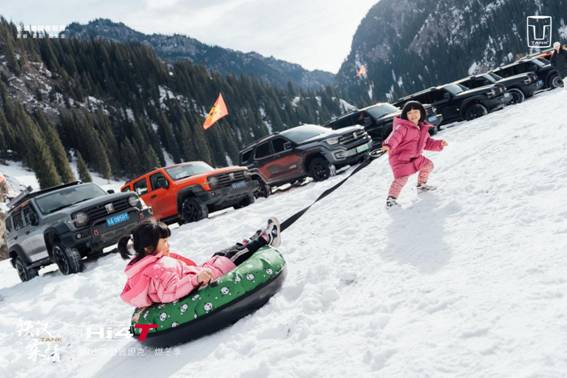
[(351, 137), (226, 179), (99, 212)]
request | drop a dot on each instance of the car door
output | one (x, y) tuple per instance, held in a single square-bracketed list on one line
[(33, 231), (286, 162), (161, 197), (262, 154), (278, 160), (444, 102)]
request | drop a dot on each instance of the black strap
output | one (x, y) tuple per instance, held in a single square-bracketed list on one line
[(291, 220)]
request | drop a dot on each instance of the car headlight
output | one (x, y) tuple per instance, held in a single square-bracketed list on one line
[(246, 174), (491, 93), (81, 219), (213, 181), (332, 141), (134, 201)]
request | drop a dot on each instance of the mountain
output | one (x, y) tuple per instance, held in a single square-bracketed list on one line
[(408, 45), (126, 111), (226, 61)]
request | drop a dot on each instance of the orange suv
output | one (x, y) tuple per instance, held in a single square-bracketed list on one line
[(187, 192)]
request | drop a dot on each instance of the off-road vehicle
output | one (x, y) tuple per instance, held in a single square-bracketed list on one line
[(187, 192), (519, 86), (304, 151), (458, 103), (378, 118), (65, 223), (547, 76)]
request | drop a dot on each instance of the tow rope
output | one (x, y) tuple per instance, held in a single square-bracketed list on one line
[(292, 219)]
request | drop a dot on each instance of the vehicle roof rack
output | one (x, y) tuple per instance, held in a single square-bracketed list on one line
[(28, 193)]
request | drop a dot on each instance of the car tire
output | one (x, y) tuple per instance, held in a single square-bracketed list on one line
[(25, 272), (475, 111), (68, 260), (319, 169), (192, 210), (249, 200), (517, 96), (555, 82), (264, 190)]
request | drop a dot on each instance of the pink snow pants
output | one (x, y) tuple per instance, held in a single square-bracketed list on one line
[(399, 183)]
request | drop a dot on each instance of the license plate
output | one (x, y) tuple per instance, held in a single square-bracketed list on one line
[(238, 185), (540, 83), (362, 148), (117, 219)]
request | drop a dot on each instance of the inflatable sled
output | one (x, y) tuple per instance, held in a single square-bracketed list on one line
[(218, 305)]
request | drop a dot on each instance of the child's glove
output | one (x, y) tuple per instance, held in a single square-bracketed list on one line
[(444, 143), (385, 149), (204, 277)]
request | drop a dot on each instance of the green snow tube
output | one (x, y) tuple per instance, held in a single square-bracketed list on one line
[(218, 305)]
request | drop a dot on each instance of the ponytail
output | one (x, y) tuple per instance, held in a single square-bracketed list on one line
[(145, 238), (123, 247)]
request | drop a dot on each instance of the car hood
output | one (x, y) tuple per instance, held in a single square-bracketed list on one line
[(510, 79), (333, 133), (93, 202), (479, 90), (214, 172)]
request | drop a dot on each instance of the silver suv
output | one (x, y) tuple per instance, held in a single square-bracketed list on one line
[(63, 224)]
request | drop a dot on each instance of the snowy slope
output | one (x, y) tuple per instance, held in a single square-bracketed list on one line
[(467, 281)]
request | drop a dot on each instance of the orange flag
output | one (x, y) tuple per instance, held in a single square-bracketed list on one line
[(218, 111), (361, 71)]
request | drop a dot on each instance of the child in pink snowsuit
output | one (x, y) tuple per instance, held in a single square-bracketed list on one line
[(156, 275), (405, 144)]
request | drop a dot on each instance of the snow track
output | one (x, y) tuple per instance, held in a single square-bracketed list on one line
[(469, 280)]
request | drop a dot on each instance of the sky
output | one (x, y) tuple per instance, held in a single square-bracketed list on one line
[(314, 33)]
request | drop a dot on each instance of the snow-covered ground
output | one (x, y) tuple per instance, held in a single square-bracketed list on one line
[(468, 281)]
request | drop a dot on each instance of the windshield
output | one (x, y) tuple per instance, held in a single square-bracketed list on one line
[(182, 171), (454, 88), (52, 202), (378, 111), (301, 133)]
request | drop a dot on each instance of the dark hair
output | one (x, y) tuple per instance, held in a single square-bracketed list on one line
[(413, 105), (145, 237)]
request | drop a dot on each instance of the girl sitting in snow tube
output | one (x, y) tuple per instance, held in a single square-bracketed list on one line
[(163, 285)]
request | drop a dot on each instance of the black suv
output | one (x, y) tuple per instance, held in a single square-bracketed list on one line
[(457, 103), (547, 76), (519, 86), (378, 119), (66, 223), (303, 151)]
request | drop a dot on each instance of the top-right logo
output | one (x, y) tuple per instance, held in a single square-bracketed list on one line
[(539, 31)]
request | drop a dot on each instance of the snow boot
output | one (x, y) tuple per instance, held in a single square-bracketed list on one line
[(391, 202), (421, 188)]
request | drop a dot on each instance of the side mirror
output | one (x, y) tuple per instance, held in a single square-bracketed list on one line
[(110, 191), (287, 146), (34, 220)]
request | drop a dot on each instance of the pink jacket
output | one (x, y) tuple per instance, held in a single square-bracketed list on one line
[(406, 143), (163, 279)]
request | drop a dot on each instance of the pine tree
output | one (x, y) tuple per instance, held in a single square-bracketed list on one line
[(57, 150), (84, 174)]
